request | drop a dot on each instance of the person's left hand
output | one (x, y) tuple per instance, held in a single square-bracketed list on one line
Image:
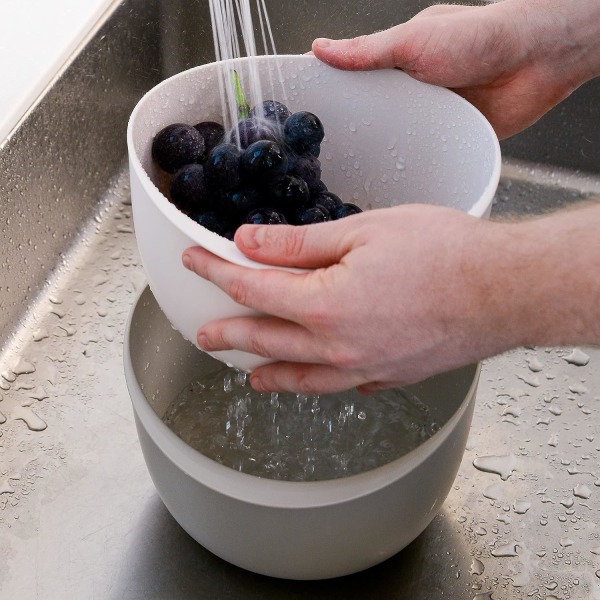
[(394, 297)]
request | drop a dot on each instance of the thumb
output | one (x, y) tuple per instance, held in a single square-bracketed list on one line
[(307, 246), (381, 50)]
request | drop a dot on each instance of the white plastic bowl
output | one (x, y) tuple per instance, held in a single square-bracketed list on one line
[(389, 140), (295, 530)]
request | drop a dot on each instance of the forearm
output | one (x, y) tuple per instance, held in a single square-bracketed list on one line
[(543, 279)]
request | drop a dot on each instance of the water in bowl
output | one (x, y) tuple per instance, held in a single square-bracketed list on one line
[(296, 437)]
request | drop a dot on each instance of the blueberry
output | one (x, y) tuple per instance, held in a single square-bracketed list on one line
[(222, 168), (238, 203), (319, 188), (346, 210), (188, 189), (265, 216), (212, 133), (303, 131), (307, 167), (290, 193), (264, 161), (272, 111), (212, 221), (329, 201), (249, 131), (315, 214), (177, 145), (314, 149)]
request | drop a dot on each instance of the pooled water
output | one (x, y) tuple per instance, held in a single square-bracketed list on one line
[(296, 437)]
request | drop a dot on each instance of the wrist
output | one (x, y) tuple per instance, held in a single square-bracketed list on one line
[(547, 272), (566, 37)]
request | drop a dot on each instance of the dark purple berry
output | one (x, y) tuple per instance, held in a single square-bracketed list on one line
[(239, 203), (329, 201), (304, 131), (249, 131), (272, 111), (222, 168), (212, 221), (264, 161), (346, 210), (307, 167), (177, 145), (212, 133), (290, 193), (188, 190), (265, 216), (314, 149), (315, 214)]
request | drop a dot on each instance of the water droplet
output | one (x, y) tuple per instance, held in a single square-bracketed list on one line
[(578, 388), (477, 567), (582, 491), (503, 550), (39, 394), (30, 419), (23, 367), (577, 357), (532, 380), (6, 487), (535, 364), (565, 542), (500, 465), (521, 507), (40, 334)]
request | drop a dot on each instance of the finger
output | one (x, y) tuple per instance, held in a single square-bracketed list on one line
[(310, 246), (269, 337), (271, 291), (303, 378), (398, 47), (377, 386), (379, 50)]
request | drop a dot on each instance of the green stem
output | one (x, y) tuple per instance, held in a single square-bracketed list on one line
[(240, 99)]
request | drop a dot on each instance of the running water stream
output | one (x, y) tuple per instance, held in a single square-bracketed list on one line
[(234, 38)]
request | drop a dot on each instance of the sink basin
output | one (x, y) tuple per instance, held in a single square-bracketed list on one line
[(79, 514)]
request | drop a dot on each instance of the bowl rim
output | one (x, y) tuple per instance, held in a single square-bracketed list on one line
[(261, 491), (227, 249)]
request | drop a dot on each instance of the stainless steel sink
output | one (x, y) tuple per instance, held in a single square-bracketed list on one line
[(79, 515)]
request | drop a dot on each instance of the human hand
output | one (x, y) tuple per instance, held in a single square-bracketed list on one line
[(395, 295), (513, 60)]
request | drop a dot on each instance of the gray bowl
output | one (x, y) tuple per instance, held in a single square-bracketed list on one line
[(295, 530)]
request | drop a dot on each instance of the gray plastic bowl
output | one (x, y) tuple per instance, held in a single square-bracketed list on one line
[(294, 530)]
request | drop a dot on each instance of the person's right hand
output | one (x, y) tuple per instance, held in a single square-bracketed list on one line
[(513, 60)]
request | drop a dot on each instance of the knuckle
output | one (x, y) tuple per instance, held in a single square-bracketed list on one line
[(257, 345), (344, 358), (305, 384), (238, 291), (287, 241)]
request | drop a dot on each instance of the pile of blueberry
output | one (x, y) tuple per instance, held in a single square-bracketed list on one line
[(266, 170)]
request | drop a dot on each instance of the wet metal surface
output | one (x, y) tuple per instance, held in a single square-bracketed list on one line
[(79, 516)]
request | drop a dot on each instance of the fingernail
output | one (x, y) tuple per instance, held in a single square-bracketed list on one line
[(187, 261), (252, 237), (323, 42), (256, 383), (203, 342)]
